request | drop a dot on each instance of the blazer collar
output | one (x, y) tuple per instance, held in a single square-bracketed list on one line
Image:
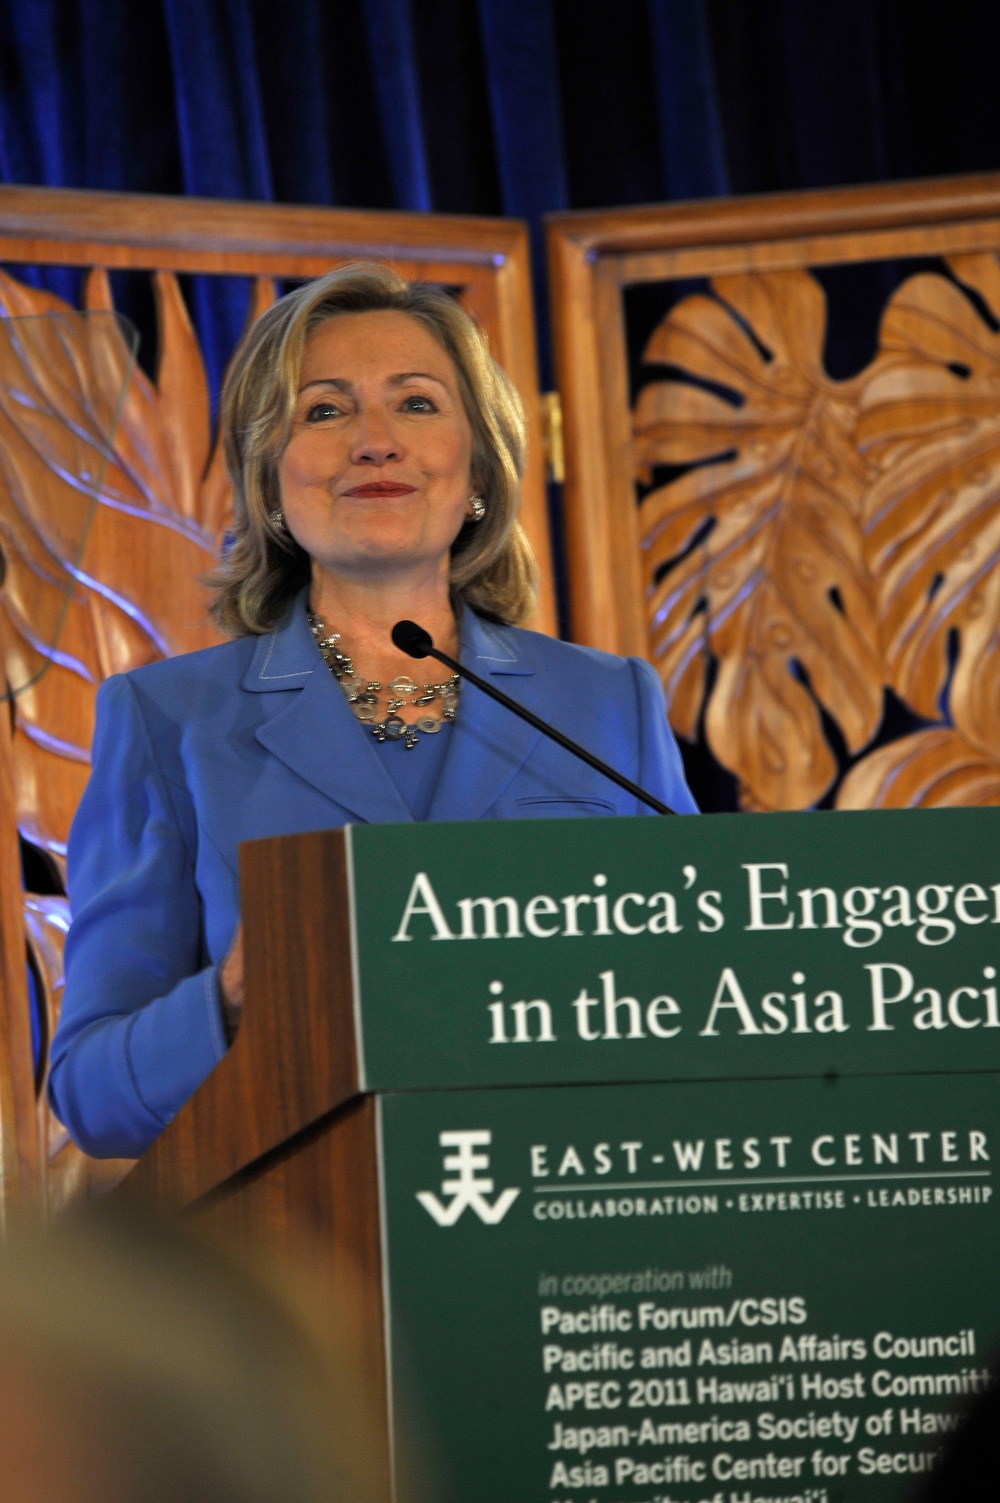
[(285, 658), (489, 649), (313, 730), (314, 733), (490, 744)]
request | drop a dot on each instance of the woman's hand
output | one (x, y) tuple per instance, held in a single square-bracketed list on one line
[(231, 985)]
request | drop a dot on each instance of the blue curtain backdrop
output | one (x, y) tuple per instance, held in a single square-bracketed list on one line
[(487, 106)]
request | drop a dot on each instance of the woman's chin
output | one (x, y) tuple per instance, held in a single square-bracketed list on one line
[(384, 557)]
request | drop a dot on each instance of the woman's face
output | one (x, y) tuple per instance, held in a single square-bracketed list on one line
[(375, 479)]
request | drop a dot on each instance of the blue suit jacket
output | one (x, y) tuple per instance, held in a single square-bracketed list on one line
[(254, 738)]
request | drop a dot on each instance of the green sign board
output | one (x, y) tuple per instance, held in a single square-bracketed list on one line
[(677, 1293), (565, 951), (738, 1240)]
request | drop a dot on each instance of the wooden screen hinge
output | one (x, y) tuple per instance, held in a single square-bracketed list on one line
[(552, 435)]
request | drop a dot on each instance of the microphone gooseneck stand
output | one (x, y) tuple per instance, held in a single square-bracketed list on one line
[(417, 643)]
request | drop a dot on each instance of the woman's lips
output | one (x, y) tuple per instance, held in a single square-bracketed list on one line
[(381, 488)]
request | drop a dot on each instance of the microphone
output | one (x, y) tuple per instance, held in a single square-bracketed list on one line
[(417, 643)]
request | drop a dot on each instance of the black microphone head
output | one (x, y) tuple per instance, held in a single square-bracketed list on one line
[(411, 639)]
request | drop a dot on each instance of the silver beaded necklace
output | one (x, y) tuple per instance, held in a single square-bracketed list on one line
[(364, 695)]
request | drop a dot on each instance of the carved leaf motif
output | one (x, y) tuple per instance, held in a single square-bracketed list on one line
[(936, 768), (945, 766), (110, 513), (164, 430), (777, 588), (215, 506), (101, 509), (930, 418)]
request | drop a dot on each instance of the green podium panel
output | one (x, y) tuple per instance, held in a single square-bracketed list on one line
[(673, 1293), (642, 949)]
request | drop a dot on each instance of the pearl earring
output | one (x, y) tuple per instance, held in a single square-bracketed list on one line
[(277, 520), (478, 508)]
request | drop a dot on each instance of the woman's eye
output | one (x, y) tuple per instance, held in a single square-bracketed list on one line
[(419, 404), (320, 411)]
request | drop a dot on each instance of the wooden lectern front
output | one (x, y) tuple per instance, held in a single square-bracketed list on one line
[(664, 1149), (280, 1140)]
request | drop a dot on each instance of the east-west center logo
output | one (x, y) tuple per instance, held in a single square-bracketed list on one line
[(470, 1185)]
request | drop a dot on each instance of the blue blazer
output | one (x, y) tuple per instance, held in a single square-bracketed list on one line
[(254, 738)]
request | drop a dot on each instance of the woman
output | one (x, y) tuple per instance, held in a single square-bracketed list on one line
[(375, 452)]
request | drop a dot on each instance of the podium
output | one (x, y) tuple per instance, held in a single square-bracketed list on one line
[(665, 1149)]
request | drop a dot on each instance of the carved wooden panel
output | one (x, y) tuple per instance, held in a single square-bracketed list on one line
[(485, 261), (20, 1164), (809, 559), (111, 510)]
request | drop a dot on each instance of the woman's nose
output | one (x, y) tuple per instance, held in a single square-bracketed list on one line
[(375, 442)]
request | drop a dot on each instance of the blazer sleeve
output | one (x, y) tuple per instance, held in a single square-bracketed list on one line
[(660, 769), (141, 1024)]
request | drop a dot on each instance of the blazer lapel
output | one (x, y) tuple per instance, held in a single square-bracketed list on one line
[(313, 731), (489, 744)]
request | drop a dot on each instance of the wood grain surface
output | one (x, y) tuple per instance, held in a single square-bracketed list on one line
[(108, 523), (272, 1152), (294, 1058), (485, 260), (320, 1193), (760, 218), (789, 548), (20, 1163)]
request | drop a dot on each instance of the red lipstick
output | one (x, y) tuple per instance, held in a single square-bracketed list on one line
[(381, 488)]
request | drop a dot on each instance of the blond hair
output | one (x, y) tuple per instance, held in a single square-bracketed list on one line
[(492, 566)]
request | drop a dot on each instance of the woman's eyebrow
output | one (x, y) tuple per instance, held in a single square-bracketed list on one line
[(416, 376), (334, 381), (348, 386)]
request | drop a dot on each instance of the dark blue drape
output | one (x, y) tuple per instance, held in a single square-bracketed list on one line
[(221, 138), (397, 89), (485, 106)]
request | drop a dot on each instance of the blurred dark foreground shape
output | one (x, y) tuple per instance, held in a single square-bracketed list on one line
[(140, 1363), (968, 1470)]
